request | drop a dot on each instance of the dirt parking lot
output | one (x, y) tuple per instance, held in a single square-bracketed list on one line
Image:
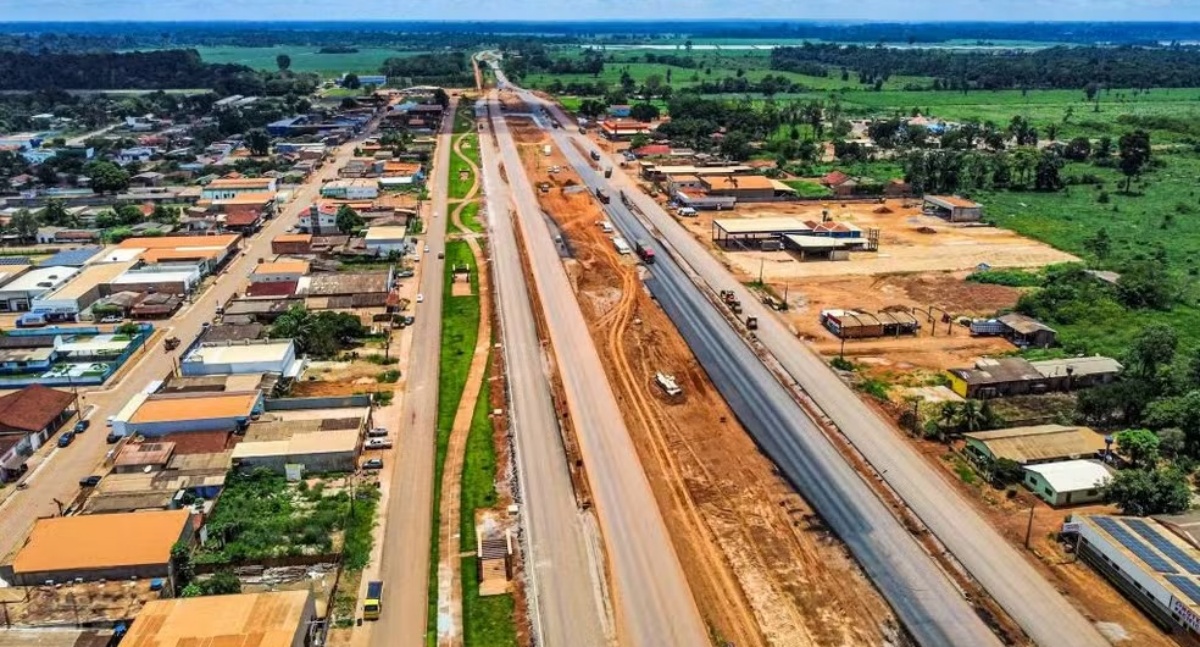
[(909, 242)]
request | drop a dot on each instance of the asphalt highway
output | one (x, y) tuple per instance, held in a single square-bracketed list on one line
[(654, 605)]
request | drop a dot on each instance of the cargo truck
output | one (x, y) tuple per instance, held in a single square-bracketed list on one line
[(645, 253), (373, 604)]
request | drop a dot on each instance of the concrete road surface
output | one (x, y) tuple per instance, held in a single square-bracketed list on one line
[(654, 605), (565, 601), (1044, 614), (58, 476), (406, 544)]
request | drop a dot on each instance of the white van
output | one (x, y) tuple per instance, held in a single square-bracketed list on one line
[(687, 211)]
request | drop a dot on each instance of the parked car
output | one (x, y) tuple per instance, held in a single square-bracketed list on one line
[(89, 481), (427, 249), (408, 321), (420, 298), (373, 464), (66, 438), (441, 255), (405, 274), (112, 319), (378, 443), (112, 438), (109, 420), (377, 432), (82, 426)]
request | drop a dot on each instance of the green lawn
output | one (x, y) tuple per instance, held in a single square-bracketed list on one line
[(460, 328), (1163, 215), (462, 177), (470, 217), (304, 59), (809, 188)]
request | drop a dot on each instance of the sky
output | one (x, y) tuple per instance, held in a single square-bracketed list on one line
[(861, 10)]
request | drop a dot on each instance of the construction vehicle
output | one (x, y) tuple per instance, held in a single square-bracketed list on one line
[(595, 156), (644, 252), (751, 323), (602, 196), (668, 384)]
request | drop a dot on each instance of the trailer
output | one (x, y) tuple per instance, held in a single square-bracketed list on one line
[(623, 247), (644, 252)]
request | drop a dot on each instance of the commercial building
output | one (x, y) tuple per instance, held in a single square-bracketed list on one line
[(953, 208), (622, 129), (351, 189), (209, 252), (1153, 567), (1034, 445), (283, 271), (1072, 482), (746, 188), (860, 324), (807, 238), (346, 289), (226, 188), (1005, 376), (385, 240), (81, 291), (242, 358), (159, 414), (272, 619), (318, 451), (18, 294), (108, 546), (173, 278), (291, 244)]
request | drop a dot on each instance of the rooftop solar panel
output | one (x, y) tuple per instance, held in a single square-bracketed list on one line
[(1164, 545), (1135, 545), (1186, 584)]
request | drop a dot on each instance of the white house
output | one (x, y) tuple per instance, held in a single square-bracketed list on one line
[(1067, 482), (227, 188), (384, 240), (242, 357), (279, 271)]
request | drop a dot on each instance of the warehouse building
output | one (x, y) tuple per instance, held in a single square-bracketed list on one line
[(1155, 569), (271, 619), (82, 291), (19, 293), (1005, 376), (1072, 482), (385, 240), (318, 451), (94, 547), (1034, 445), (860, 324), (953, 208), (160, 414), (242, 358), (174, 278), (747, 188)]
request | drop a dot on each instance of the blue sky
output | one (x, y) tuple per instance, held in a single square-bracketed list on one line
[(85, 10)]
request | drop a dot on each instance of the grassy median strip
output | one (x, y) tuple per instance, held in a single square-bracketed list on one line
[(460, 329), (487, 621)]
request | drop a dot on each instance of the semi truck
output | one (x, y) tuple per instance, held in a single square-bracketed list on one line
[(645, 253)]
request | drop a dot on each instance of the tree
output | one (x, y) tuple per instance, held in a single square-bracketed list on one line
[(319, 334), (1143, 285), (128, 214), (639, 140), (1134, 151), (1148, 492), (1100, 244), (348, 219), (351, 82), (1091, 90), (1078, 149), (106, 176), (1151, 351), (259, 142), (1006, 471), (1103, 150), (24, 224), (164, 214), (181, 564), (592, 108), (736, 146), (1140, 446), (1046, 174), (283, 62), (644, 112)]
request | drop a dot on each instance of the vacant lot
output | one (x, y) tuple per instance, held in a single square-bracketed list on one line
[(304, 59)]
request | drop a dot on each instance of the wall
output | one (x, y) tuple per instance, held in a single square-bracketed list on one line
[(299, 404)]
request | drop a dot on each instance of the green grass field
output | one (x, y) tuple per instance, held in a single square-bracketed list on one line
[(304, 59), (460, 328), (462, 177)]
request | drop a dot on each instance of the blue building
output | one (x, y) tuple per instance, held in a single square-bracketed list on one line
[(377, 80)]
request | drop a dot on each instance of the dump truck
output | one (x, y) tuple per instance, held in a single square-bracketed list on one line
[(644, 252)]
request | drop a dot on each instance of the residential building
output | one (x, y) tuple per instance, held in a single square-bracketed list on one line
[(100, 547), (318, 451), (292, 244), (385, 240), (159, 414), (1151, 566), (1027, 332), (1073, 482), (1034, 445), (997, 377), (19, 292), (746, 188), (226, 188), (351, 189), (209, 252), (346, 289), (138, 154), (276, 356), (272, 619), (953, 208), (27, 354), (28, 418), (279, 271), (320, 218), (1077, 372), (143, 458)]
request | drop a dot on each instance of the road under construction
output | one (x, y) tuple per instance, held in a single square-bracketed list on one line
[(932, 608)]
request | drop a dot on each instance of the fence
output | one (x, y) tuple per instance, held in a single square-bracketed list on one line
[(299, 404), (94, 378), (269, 562)]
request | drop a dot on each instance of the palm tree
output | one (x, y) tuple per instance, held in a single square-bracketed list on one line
[(971, 416)]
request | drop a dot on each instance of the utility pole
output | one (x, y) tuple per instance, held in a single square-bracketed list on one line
[(1029, 526)]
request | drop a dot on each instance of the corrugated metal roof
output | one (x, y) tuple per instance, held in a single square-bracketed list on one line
[(1040, 443)]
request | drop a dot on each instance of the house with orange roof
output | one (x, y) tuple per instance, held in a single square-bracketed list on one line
[(154, 415)]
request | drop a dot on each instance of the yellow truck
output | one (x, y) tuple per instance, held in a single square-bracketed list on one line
[(373, 605)]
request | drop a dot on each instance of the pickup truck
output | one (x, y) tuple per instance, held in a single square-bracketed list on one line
[(377, 432), (378, 443)]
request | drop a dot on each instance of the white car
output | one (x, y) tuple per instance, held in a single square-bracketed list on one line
[(378, 443), (420, 298), (377, 432), (112, 319), (427, 249)]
